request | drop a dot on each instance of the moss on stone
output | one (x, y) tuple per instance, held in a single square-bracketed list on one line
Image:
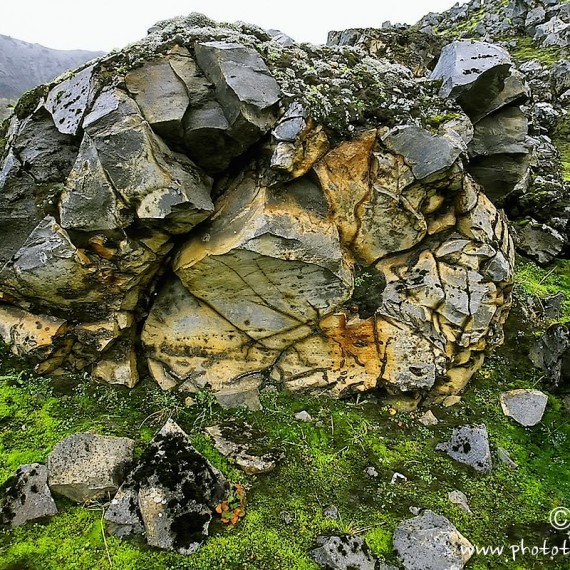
[(325, 464), (29, 101)]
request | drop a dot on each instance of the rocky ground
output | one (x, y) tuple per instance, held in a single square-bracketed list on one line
[(335, 464)]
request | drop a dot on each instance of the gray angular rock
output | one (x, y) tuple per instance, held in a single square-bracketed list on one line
[(473, 73), (240, 450), (343, 553), (245, 89), (539, 241), (160, 186), (87, 466), (458, 498), (560, 77), (428, 419), (244, 392), (164, 89), (89, 201), (430, 542), (469, 445), (69, 100), (551, 353), (27, 496), (425, 153), (499, 174), (526, 407), (502, 132), (170, 494), (534, 17)]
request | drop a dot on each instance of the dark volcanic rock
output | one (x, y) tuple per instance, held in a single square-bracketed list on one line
[(27, 496), (169, 495), (551, 353), (425, 153), (473, 73)]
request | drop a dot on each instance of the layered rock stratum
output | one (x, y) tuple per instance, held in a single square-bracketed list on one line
[(223, 207)]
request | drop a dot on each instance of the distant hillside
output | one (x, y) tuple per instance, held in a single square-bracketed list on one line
[(24, 65)]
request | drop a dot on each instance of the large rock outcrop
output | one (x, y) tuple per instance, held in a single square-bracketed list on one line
[(262, 210)]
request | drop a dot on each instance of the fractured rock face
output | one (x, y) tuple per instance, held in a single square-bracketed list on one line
[(169, 495), (206, 202)]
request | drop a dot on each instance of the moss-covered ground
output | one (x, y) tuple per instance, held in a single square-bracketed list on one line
[(324, 464)]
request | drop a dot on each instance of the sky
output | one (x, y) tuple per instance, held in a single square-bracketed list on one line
[(107, 24)]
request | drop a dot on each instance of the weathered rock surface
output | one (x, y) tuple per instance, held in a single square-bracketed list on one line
[(87, 466), (430, 542), (469, 445), (27, 496), (551, 353), (343, 553), (195, 187), (169, 495), (526, 407)]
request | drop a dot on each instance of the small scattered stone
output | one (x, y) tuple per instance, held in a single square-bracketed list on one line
[(451, 401), (458, 498), (428, 419), (398, 478), (287, 517), (504, 457), (303, 417), (526, 407), (27, 496), (244, 393), (371, 472), (343, 553), (240, 452), (331, 512), (469, 445), (430, 542)]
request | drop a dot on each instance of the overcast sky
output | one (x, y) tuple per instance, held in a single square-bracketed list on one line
[(108, 24)]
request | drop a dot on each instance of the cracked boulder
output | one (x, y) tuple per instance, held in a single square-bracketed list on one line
[(170, 494), (227, 209), (473, 73)]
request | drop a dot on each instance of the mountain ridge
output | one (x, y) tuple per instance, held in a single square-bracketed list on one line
[(40, 64)]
